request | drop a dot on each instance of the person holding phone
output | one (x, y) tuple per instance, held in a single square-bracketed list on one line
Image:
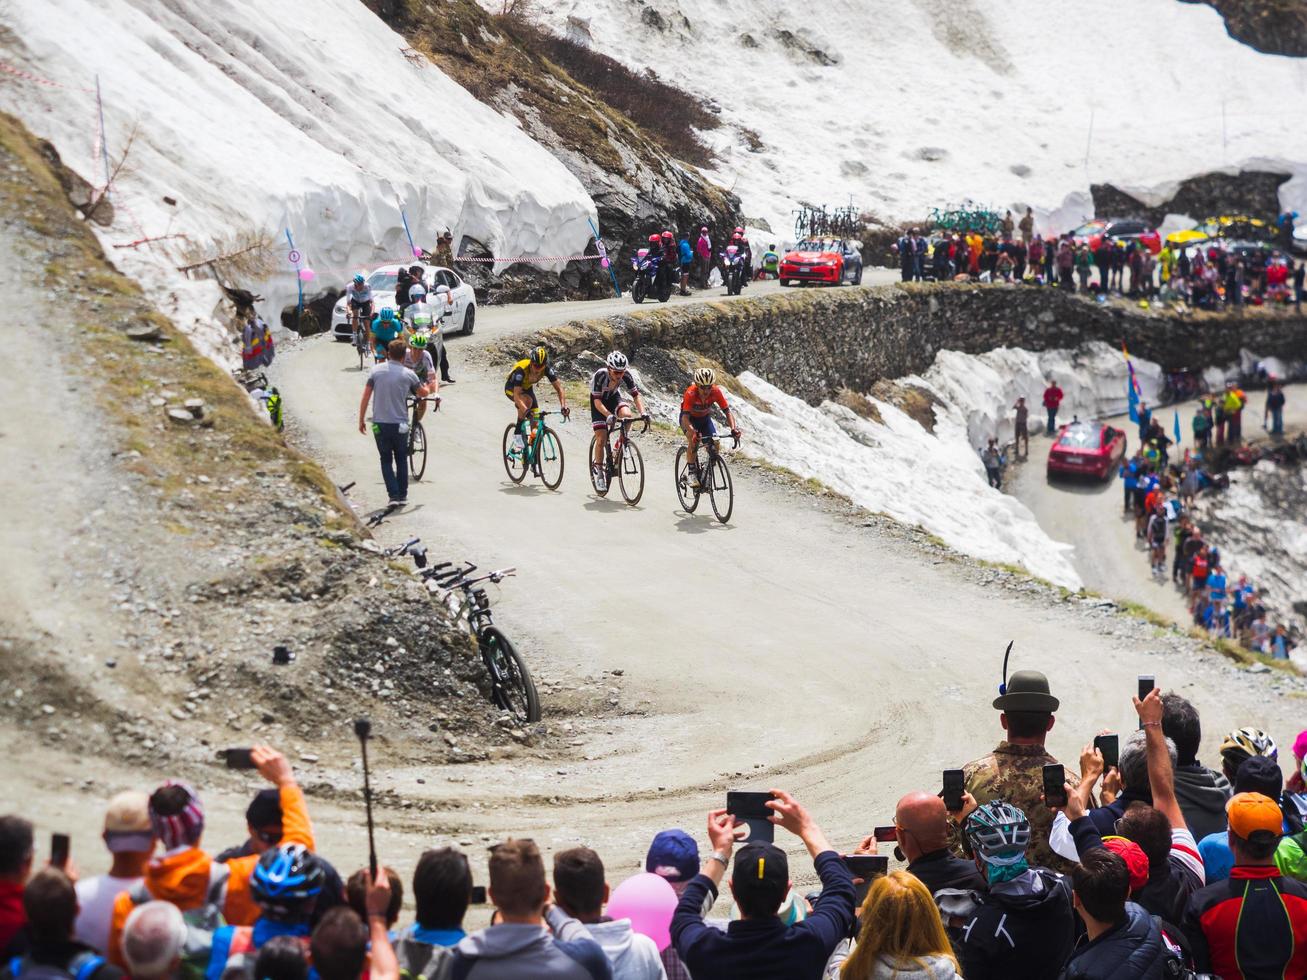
[(760, 946), (1014, 770)]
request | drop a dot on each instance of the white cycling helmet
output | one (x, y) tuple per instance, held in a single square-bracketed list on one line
[(705, 377), (617, 361)]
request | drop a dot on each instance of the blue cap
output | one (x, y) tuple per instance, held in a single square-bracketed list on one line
[(673, 855)]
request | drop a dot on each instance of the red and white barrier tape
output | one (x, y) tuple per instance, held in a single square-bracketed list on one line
[(37, 79), (531, 259)]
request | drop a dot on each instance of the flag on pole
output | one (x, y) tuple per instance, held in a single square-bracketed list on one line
[(1177, 427)]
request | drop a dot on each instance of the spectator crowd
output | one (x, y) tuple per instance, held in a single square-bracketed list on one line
[(1139, 862)]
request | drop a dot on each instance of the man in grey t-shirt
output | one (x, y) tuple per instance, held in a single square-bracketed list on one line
[(388, 387)]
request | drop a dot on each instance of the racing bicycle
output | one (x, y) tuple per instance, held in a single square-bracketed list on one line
[(714, 479), (622, 459), (417, 438), (361, 333), (542, 456), (511, 686)]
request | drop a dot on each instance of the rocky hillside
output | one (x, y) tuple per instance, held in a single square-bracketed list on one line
[(1270, 26), (635, 177), (163, 539)]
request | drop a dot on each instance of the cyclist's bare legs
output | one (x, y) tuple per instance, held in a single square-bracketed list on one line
[(623, 412)]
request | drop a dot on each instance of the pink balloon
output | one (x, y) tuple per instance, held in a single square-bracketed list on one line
[(417, 252), (648, 901), (307, 274)]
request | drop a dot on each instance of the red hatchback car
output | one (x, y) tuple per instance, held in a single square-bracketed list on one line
[(1093, 232), (832, 261), (1086, 449)]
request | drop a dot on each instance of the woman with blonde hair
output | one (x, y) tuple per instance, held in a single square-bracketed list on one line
[(902, 936)]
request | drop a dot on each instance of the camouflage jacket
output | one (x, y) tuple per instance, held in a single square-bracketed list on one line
[(1015, 773)]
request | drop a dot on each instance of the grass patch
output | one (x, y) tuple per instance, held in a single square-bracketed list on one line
[(1239, 654), (1140, 611)]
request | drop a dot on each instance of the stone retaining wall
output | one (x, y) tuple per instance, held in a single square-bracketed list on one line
[(813, 342)]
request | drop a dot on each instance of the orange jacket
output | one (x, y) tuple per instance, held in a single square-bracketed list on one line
[(184, 877)]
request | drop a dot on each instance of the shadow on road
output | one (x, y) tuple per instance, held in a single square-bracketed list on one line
[(606, 505), (699, 523)]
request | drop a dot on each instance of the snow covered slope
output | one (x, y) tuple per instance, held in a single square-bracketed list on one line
[(254, 116), (909, 104)]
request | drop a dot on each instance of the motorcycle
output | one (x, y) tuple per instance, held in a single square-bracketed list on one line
[(648, 280), (736, 272)]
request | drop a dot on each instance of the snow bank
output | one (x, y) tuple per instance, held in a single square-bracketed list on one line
[(909, 104), (902, 470), (256, 116)]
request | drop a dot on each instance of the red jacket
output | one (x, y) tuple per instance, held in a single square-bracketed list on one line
[(12, 916), (1052, 396)]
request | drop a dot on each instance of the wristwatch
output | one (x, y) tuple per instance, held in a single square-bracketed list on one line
[(724, 858)]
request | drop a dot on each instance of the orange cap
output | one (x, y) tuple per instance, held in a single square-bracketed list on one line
[(1251, 812)]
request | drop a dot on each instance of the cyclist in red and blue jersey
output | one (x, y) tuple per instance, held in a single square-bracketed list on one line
[(696, 415)]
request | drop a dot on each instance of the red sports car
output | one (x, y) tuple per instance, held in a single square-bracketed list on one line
[(1121, 230), (832, 262), (1086, 449)]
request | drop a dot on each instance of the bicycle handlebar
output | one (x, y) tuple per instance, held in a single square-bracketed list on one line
[(401, 550), (614, 420)]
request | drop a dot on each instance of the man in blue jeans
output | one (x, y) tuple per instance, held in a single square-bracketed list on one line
[(388, 387)]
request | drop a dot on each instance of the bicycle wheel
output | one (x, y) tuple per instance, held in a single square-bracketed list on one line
[(512, 687), (604, 492), (417, 451), (688, 496), (721, 494), (630, 472), (549, 457), (514, 460)]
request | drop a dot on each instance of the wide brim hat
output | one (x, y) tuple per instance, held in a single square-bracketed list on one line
[(1026, 690)]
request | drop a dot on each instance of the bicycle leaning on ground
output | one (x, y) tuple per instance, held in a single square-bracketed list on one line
[(541, 455), (511, 686), (714, 479), (622, 459)]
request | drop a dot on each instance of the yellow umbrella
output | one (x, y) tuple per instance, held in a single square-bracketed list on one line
[(1187, 236)]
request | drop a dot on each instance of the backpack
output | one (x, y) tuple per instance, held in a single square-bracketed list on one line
[(80, 967), (422, 961)]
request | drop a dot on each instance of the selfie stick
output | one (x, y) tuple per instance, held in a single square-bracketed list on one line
[(1002, 688), (363, 728)]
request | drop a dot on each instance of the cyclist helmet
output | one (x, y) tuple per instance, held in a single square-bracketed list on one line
[(616, 361), (998, 832), (654, 239), (539, 357), (417, 291), (387, 314), (286, 882), (705, 377), (418, 341), (358, 279), (1244, 743)]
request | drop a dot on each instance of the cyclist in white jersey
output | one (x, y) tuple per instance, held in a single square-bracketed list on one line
[(606, 400)]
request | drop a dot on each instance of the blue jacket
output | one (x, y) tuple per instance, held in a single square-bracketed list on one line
[(687, 253), (765, 949)]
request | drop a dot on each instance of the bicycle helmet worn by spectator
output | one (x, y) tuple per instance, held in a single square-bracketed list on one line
[(1244, 743), (705, 377), (540, 357), (286, 882), (418, 341), (998, 832), (616, 360), (387, 314)]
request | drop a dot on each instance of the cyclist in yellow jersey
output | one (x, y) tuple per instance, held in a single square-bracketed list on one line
[(520, 389)]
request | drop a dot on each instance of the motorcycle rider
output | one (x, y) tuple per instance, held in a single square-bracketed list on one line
[(671, 259), (741, 241)]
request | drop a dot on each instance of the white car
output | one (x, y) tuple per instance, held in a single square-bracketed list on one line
[(461, 319)]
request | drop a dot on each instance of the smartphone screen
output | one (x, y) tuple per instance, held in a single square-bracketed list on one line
[(885, 834), (1054, 785), (1110, 746), (1146, 683), (751, 809), (953, 786), (237, 758), (59, 846), (867, 867)]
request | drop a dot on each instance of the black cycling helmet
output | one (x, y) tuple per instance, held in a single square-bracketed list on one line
[(540, 357)]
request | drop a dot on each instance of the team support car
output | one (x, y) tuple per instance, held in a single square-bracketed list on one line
[(832, 261), (1086, 449), (382, 280), (1093, 232)]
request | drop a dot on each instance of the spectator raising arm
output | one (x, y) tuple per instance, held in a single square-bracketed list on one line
[(1161, 778), (384, 965)]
